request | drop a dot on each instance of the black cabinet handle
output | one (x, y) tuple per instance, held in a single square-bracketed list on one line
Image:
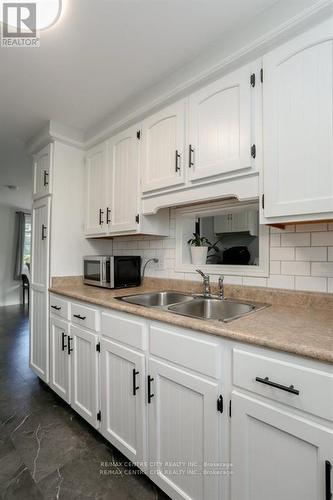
[(150, 395), (135, 387), (69, 348), (190, 156), (286, 388), (46, 178), (57, 308), (79, 317), (63, 346), (328, 487), (100, 220), (177, 167), (108, 215), (44, 232)]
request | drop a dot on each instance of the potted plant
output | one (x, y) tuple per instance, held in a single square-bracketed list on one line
[(199, 248)]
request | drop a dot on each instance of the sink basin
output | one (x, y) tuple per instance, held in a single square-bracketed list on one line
[(214, 309), (157, 299)]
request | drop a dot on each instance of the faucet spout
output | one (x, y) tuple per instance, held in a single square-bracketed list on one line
[(206, 284)]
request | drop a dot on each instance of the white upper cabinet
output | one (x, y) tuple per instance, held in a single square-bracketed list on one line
[(163, 148), (42, 171), (96, 179), (123, 182), (298, 126), (220, 126)]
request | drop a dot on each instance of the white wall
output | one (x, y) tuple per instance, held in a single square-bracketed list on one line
[(301, 257), (68, 244), (10, 290)]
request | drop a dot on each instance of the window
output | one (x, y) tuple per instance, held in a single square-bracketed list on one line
[(234, 241), (27, 240)]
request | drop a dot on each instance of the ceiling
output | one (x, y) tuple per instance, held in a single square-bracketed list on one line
[(101, 54)]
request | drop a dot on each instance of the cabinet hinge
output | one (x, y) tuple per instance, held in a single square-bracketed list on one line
[(137, 218), (220, 403), (253, 80), (99, 416), (138, 134), (253, 151), (263, 201), (230, 408), (98, 347), (262, 75)]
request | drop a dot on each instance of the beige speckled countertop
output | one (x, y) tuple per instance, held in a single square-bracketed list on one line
[(296, 322)]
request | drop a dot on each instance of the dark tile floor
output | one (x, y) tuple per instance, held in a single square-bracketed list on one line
[(46, 450)]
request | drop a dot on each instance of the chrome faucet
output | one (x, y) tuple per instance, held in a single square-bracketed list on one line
[(206, 284), (221, 287), (145, 265)]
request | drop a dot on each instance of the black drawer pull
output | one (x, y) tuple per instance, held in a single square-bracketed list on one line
[(69, 348), (286, 388), (100, 220), (79, 317), (135, 387), (63, 346), (150, 395), (57, 308), (328, 487)]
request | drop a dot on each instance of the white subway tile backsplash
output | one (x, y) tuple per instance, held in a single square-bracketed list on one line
[(322, 269), (311, 228), (330, 253), (310, 283), (310, 254), (295, 268), (301, 257), (281, 282), (275, 240), (282, 253), (295, 240), (275, 267), (322, 239)]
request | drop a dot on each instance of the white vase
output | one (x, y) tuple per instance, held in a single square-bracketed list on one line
[(199, 255)]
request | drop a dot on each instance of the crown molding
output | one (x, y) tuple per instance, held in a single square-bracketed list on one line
[(308, 17), (55, 131)]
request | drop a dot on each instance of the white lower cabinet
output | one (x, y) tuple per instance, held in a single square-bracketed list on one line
[(84, 373), (123, 399), (183, 431), (277, 454), (60, 361), (159, 392)]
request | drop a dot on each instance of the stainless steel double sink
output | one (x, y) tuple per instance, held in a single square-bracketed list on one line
[(194, 306)]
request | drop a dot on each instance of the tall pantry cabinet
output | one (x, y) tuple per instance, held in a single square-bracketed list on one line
[(57, 225)]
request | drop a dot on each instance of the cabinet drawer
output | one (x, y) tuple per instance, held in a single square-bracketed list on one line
[(59, 306), (301, 386), (125, 328), (186, 349), (85, 316)]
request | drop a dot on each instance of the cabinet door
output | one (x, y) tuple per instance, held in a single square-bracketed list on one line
[(42, 172), (123, 399), (222, 223), (39, 325), (298, 125), (95, 181), (59, 358), (220, 126), (183, 432), (276, 454), (239, 221), (124, 181), (84, 373), (163, 148)]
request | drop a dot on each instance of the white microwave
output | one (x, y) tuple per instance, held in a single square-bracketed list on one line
[(115, 271)]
